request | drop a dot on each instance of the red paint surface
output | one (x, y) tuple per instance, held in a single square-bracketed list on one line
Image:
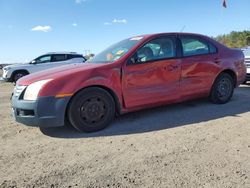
[(148, 84)]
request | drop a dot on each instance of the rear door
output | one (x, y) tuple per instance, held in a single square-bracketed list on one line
[(151, 76), (199, 66)]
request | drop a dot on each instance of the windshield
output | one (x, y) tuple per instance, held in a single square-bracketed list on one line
[(246, 52), (115, 51)]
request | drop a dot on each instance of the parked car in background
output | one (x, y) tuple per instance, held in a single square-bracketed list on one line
[(246, 52), (136, 73), (89, 56), (12, 73)]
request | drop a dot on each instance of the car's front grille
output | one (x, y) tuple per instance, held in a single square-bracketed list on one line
[(18, 90), (247, 61)]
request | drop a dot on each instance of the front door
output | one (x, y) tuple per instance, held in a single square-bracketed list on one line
[(151, 76), (40, 63)]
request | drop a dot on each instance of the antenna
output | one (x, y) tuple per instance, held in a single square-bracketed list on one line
[(182, 29)]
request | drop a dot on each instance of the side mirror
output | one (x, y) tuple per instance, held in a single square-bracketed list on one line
[(33, 62)]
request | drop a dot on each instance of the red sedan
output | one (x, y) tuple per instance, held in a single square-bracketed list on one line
[(136, 73)]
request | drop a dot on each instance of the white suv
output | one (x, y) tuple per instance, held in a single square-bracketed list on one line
[(246, 52), (12, 73)]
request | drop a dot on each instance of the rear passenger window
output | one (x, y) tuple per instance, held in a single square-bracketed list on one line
[(193, 46), (58, 57), (71, 56)]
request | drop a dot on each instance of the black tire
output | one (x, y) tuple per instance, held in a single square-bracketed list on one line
[(17, 75), (223, 88), (91, 109)]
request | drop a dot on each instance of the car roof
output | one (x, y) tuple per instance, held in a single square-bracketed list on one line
[(170, 33), (67, 53)]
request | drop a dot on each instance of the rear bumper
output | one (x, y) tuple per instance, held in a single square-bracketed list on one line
[(44, 112)]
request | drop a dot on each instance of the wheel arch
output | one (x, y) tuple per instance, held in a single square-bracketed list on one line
[(212, 95), (232, 74), (16, 71), (228, 71), (110, 91)]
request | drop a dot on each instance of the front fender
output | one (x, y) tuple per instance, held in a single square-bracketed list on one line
[(109, 79)]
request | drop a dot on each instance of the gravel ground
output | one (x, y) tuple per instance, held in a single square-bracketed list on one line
[(194, 144)]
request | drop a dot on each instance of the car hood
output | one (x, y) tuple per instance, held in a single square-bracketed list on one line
[(19, 65), (62, 71)]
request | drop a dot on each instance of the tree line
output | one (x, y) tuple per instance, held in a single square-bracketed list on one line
[(235, 39)]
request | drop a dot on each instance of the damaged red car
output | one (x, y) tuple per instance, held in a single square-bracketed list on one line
[(137, 73)]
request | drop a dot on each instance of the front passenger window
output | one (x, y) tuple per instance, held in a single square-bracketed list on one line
[(43, 59), (157, 49), (145, 54)]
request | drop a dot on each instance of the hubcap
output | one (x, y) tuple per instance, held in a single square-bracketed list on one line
[(93, 110), (224, 88)]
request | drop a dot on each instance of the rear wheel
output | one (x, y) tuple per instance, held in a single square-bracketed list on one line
[(92, 109), (222, 90), (18, 75)]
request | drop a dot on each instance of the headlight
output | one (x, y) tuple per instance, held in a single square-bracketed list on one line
[(6, 68), (33, 89)]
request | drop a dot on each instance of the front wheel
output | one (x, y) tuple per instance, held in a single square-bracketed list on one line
[(223, 88), (19, 75), (91, 110)]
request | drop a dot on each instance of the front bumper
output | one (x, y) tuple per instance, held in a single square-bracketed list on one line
[(44, 112), (6, 75)]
